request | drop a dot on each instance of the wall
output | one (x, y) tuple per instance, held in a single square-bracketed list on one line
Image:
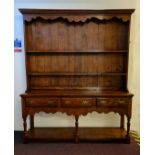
[(92, 119)]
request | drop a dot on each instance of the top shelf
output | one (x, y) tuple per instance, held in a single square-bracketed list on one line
[(91, 51)]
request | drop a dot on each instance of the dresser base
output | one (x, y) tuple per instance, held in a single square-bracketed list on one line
[(84, 135)]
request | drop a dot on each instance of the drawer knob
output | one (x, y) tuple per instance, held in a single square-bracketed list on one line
[(85, 102), (122, 102), (31, 102), (67, 102), (103, 102), (50, 102)]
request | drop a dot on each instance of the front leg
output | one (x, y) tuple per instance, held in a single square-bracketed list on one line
[(76, 129), (25, 129), (31, 122), (122, 121), (128, 129)]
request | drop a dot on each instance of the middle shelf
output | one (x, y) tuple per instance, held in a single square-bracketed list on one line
[(77, 51), (76, 74)]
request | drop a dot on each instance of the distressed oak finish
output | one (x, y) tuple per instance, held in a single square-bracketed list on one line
[(77, 63)]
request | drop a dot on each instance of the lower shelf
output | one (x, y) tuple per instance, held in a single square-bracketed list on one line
[(84, 134)]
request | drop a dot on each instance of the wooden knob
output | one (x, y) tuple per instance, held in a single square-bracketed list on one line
[(103, 102), (85, 102), (67, 102), (50, 102), (122, 102), (31, 102)]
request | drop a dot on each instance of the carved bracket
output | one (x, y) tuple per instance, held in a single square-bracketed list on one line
[(76, 15), (77, 18), (76, 112)]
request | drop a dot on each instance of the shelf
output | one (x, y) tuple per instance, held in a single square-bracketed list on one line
[(76, 74), (85, 134), (91, 51), (93, 92)]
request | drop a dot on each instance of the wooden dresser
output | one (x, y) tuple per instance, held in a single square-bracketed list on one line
[(77, 63)]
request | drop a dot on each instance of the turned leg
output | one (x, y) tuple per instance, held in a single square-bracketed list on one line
[(31, 122), (128, 130), (122, 122), (25, 129), (76, 129)]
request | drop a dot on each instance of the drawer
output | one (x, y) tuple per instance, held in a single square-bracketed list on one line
[(78, 102), (42, 102), (112, 102)]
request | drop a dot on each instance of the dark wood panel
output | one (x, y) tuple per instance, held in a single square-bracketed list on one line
[(40, 81), (29, 38), (110, 83), (80, 37), (115, 34), (92, 35), (71, 38), (53, 37), (106, 82), (107, 35), (62, 36), (78, 63)]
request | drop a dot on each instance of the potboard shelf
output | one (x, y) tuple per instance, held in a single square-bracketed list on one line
[(85, 134)]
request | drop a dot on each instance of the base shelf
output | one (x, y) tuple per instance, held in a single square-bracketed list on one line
[(84, 134)]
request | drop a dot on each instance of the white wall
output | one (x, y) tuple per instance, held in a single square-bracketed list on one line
[(92, 119)]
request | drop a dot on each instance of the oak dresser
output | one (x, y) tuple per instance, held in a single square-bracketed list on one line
[(77, 63)]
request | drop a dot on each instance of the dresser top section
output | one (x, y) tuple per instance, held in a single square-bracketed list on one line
[(76, 15)]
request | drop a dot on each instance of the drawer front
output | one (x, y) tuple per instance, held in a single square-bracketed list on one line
[(42, 102), (112, 102), (78, 102)]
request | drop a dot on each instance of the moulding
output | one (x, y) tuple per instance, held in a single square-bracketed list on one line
[(75, 15)]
